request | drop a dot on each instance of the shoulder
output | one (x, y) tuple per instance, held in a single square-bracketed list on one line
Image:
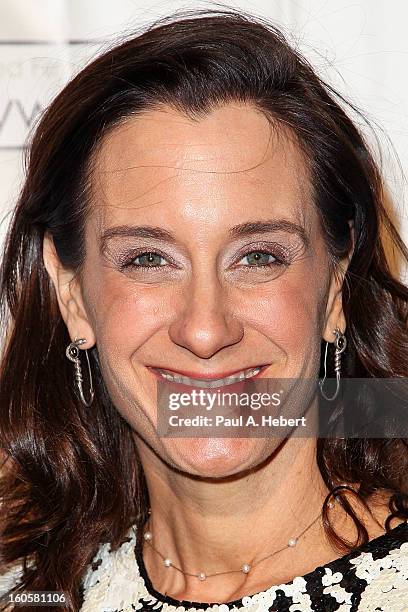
[(112, 580), (374, 577), (10, 578), (385, 572)]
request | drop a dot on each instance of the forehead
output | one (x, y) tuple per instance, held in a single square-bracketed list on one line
[(226, 162)]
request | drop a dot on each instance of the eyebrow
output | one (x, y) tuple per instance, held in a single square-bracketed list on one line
[(273, 225), (237, 231), (135, 231)]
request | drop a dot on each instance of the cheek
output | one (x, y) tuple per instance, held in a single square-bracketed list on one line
[(126, 317), (287, 311)]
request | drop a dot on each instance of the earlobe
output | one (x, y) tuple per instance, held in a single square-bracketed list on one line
[(68, 293), (335, 320), (334, 314)]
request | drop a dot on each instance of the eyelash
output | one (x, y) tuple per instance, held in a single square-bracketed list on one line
[(280, 259), (129, 262)]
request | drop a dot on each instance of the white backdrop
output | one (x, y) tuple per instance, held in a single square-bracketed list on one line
[(360, 47)]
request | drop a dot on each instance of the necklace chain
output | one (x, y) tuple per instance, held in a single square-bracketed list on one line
[(245, 567)]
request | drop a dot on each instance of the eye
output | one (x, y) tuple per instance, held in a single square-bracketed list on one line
[(261, 258), (150, 259)]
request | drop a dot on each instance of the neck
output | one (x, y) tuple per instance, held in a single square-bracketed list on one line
[(261, 510)]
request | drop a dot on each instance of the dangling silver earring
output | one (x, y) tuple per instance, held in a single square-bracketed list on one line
[(72, 352), (340, 343)]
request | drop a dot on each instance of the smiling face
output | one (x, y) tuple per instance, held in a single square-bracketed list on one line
[(204, 257)]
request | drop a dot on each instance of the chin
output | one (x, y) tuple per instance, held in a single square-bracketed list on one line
[(217, 457)]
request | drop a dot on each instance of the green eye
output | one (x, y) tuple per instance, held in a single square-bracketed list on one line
[(260, 258), (148, 260)]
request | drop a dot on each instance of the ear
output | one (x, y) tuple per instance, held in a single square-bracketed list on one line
[(69, 295), (334, 310)]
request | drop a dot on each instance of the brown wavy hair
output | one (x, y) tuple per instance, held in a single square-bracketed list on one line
[(71, 476)]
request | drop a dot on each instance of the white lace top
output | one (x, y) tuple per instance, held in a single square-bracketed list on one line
[(372, 578)]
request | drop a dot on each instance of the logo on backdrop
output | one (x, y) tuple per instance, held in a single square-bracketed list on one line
[(19, 118), (31, 74)]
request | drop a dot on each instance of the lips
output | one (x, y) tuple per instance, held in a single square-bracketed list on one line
[(207, 381)]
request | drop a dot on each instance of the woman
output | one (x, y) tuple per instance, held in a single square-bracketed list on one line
[(198, 209)]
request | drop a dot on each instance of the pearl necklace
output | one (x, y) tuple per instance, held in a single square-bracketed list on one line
[(245, 567)]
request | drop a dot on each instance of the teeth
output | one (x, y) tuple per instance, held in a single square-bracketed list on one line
[(209, 383)]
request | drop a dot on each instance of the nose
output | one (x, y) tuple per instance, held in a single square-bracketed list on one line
[(205, 324)]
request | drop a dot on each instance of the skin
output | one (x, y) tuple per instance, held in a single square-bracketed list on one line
[(208, 309)]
